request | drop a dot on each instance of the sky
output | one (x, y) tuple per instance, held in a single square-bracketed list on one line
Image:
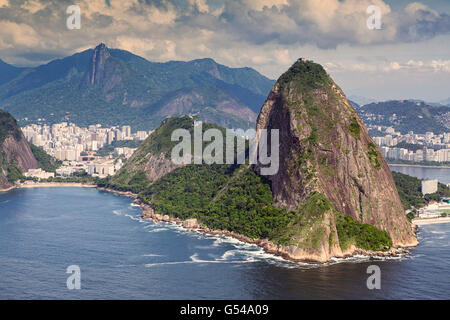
[(408, 57)]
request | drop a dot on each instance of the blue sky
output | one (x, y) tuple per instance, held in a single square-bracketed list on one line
[(407, 58)]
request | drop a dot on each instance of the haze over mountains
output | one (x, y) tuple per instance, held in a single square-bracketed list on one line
[(407, 115), (116, 87)]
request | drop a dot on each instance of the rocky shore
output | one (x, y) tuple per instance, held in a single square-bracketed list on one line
[(287, 252), (122, 193)]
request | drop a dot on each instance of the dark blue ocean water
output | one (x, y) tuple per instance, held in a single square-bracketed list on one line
[(45, 230)]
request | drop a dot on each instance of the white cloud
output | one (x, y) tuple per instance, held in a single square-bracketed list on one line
[(441, 65), (261, 4), (32, 6), (393, 66), (283, 56), (20, 36), (200, 5)]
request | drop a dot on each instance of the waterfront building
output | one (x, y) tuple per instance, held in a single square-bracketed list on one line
[(429, 186)]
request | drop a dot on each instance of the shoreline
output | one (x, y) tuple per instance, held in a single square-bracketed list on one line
[(265, 244), (7, 189), (426, 221), (417, 166), (55, 185), (50, 185), (193, 226)]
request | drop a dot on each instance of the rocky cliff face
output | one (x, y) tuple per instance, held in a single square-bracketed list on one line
[(15, 153), (325, 150), (96, 72), (104, 72)]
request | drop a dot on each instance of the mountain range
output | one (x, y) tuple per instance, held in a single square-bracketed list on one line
[(407, 115), (116, 87)]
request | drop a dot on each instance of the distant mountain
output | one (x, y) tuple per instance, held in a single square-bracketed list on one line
[(445, 102), (116, 87), (407, 115), (354, 104), (8, 72), (361, 100)]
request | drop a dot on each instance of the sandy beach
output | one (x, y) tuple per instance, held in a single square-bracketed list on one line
[(421, 222), (55, 184)]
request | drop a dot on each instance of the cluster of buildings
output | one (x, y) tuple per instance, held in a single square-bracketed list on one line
[(66, 141), (432, 147), (77, 147), (433, 209)]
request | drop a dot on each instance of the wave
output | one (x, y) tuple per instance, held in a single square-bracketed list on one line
[(194, 259), (158, 230)]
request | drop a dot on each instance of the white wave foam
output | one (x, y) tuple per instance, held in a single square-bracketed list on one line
[(158, 230), (194, 259), (135, 218)]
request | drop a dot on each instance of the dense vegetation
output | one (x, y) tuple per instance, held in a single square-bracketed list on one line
[(45, 161), (13, 172), (364, 236), (306, 74), (223, 197), (409, 189)]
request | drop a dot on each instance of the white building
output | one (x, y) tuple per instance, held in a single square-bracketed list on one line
[(38, 173), (429, 186)]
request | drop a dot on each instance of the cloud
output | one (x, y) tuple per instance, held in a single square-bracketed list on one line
[(263, 33), (413, 66), (200, 5), (33, 6), (15, 36), (330, 23)]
